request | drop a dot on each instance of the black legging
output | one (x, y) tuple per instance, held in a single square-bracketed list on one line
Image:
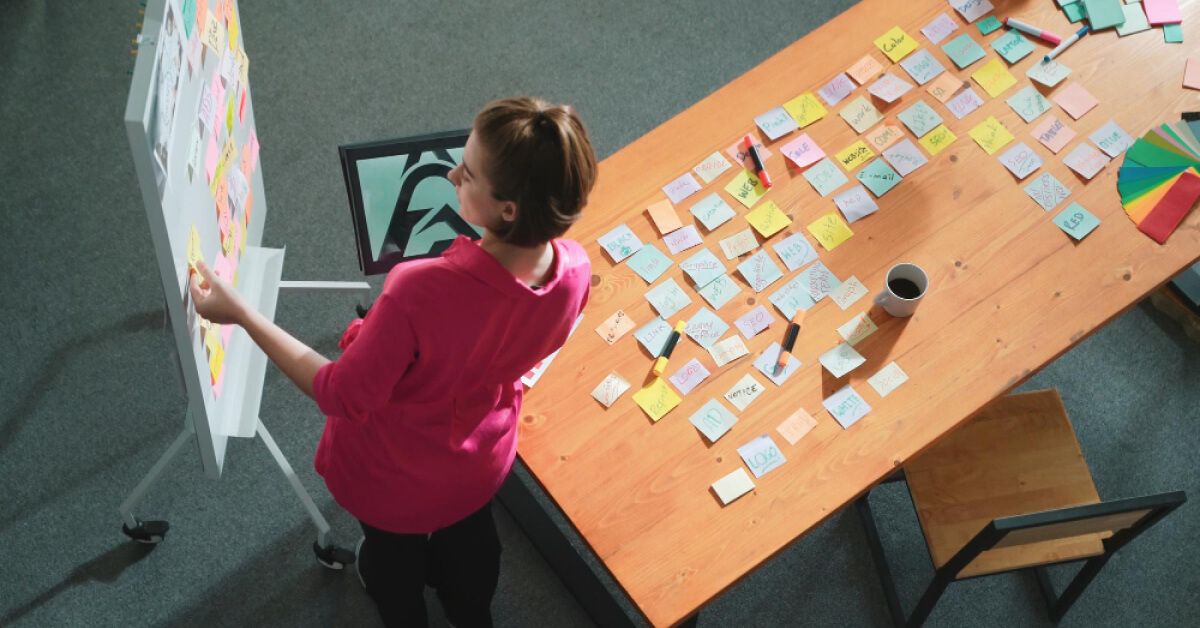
[(461, 562)]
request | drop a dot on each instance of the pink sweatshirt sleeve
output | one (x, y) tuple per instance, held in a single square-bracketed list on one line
[(362, 380)]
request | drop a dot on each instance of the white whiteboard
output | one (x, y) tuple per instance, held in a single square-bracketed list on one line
[(171, 137)]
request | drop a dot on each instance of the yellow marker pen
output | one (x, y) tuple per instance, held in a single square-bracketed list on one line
[(660, 364)]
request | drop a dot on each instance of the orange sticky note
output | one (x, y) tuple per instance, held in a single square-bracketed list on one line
[(864, 69), (883, 136), (796, 426), (945, 86), (664, 217), (1191, 73), (1075, 100)]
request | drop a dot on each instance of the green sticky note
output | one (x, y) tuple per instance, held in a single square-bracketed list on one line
[(878, 177), (189, 17), (649, 263), (1103, 13), (1173, 33), (920, 118), (963, 50), (988, 24), (1074, 11), (1012, 46), (1076, 221)]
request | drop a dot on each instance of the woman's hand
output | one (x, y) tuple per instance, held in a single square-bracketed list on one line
[(215, 299)]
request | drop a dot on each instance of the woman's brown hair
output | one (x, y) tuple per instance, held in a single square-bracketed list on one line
[(542, 160)]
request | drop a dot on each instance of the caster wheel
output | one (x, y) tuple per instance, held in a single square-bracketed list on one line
[(148, 532)]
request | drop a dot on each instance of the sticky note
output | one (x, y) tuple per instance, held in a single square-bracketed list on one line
[(1076, 221), (683, 239), (825, 177), (216, 366), (883, 136), (994, 78), (1047, 191), (1052, 133), (795, 251), (213, 34), (857, 328), (846, 406), (971, 10), (653, 336), (656, 399), (937, 140), (738, 244), (1074, 11), (1048, 73), (649, 263), (768, 219), (1085, 160), (1021, 160), (964, 103), (991, 135), (830, 230), (1103, 13), (1191, 73), (792, 298), (841, 360), (668, 298), (848, 292), (889, 87), (888, 378), (754, 322), (895, 44), (1075, 100), (855, 203), (713, 420), (837, 89), (804, 110), (1111, 138), (761, 455), (922, 67), (210, 157), (733, 486), (759, 271), (1162, 11), (854, 155), (702, 267), (860, 114), (905, 157), (1029, 103), (963, 50), (920, 118), (615, 326), (194, 252), (797, 425), (664, 217), (1172, 33), (939, 29), (802, 151), (737, 151), (775, 123), (681, 188), (719, 291), (819, 281), (689, 376), (610, 389), (620, 243), (988, 25), (1012, 46), (864, 69), (712, 211), (728, 350), (712, 167), (1135, 20), (746, 189), (879, 177), (705, 327), (766, 364)]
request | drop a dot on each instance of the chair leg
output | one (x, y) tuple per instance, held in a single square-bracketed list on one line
[(877, 555), (929, 599), (1058, 605)]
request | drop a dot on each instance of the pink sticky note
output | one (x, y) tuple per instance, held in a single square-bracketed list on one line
[(223, 220), (1162, 11), (803, 151), (210, 156), (687, 378), (1075, 100), (739, 154), (1052, 133), (217, 89), (1191, 73), (253, 141)]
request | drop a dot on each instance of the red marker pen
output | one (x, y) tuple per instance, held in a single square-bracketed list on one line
[(759, 168)]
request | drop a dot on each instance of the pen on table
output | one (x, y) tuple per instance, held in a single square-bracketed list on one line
[(789, 340), (660, 363), (759, 168), (1066, 43), (1030, 29)]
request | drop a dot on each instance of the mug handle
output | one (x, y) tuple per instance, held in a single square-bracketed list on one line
[(882, 299)]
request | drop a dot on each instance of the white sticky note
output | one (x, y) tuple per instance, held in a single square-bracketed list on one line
[(857, 328), (819, 281), (754, 322), (888, 378), (1111, 138), (759, 271), (761, 455), (728, 350), (683, 239), (792, 297), (1085, 160), (620, 243), (905, 157), (702, 267), (776, 123), (849, 292), (689, 376), (939, 28), (841, 359), (733, 486), (713, 420), (705, 327), (681, 188), (746, 389), (971, 10), (712, 167), (668, 298), (612, 387), (739, 244), (1021, 160), (846, 406), (855, 203), (766, 364)]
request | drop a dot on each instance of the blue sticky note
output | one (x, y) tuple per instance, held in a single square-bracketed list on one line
[(668, 298), (1012, 46), (759, 271), (712, 211), (703, 267), (766, 364), (713, 420), (653, 336), (818, 281), (705, 327), (649, 263), (920, 118), (879, 177), (761, 455), (792, 297), (719, 291), (1076, 221), (922, 66), (825, 177), (988, 24), (847, 406), (963, 50)]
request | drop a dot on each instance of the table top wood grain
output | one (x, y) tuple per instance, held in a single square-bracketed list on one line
[(1009, 293)]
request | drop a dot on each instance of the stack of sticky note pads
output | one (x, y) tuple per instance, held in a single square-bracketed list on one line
[(1128, 17), (1159, 180)]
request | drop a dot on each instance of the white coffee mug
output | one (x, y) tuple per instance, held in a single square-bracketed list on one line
[(903, 305)]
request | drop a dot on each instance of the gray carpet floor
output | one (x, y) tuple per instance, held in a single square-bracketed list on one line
[(88, 397)]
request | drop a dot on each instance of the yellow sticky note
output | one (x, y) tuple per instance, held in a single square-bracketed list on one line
[(656, 399), (994, 78), (768, 219), (805, 109), (746, 188), (830, 230), (855, 155), (213, 35), (896, 44), (233, 30), (991, 135), (193, 248), (937, 140), (216, 359)]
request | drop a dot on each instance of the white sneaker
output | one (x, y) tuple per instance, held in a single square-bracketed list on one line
[(358, 561)]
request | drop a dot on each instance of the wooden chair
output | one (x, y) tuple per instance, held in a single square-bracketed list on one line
[(1010, 490)]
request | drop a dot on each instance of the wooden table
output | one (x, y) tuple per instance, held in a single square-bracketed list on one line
[(1010, 293)]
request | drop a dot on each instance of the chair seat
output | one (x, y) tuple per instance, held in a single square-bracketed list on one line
[(1016, 456)]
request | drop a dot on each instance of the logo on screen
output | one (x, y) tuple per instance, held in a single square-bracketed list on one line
[(425, 220)]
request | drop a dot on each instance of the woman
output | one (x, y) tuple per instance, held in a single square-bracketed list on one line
[(422, 405)]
